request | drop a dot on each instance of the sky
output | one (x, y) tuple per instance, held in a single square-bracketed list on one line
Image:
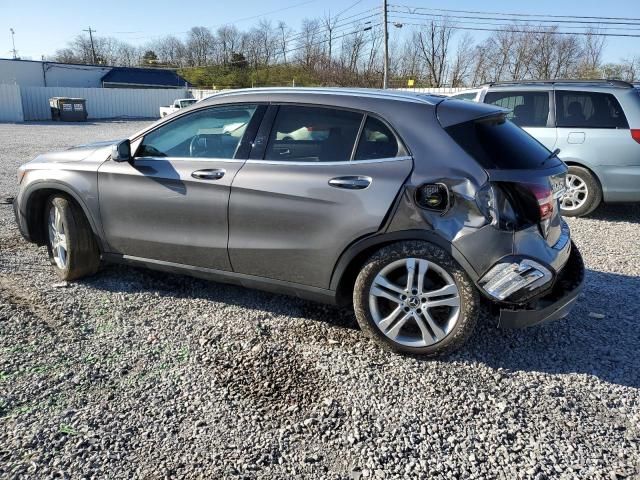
[(42, 27)]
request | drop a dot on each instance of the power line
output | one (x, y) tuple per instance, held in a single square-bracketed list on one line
[(267, 13), (528, 20), (349, 7), (510, 23), (549, 32), (320, 29), (517, 14)]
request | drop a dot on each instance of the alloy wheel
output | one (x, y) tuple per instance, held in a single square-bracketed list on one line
[(576, 193), (57, 237), (414, 302)]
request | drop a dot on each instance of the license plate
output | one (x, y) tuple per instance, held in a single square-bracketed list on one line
[(558, 185)]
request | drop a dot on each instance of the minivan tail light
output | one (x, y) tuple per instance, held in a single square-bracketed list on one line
[(635, 134)]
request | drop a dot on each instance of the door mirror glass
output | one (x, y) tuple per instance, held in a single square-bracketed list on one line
[(121, 151)]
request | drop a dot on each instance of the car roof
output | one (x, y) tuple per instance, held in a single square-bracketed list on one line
[(577, 85), (300, 92)]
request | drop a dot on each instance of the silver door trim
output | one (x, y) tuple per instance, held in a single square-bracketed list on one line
[(345, 162), (192, 159)]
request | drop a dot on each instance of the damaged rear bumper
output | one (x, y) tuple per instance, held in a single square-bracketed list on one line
[(554, 305)]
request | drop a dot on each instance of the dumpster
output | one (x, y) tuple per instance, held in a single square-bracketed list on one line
[(68, 109)]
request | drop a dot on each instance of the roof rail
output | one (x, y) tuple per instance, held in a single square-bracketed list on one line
[(607, 81)]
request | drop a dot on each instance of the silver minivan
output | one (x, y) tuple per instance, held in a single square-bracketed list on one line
[(595, 124)]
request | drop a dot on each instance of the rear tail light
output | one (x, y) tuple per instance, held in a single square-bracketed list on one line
[(544, 197), (493, 202), (635, 134), (515, 205)]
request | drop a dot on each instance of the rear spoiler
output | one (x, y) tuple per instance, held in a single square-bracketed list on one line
[(452, 112)]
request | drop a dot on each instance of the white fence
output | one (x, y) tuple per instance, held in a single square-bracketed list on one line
[(199, 94), (437, 90), (10, 104), (101, 102)]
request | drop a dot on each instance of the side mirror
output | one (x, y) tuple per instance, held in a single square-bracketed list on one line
[(121, 151)]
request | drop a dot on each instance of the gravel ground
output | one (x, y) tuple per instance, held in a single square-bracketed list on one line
[(136, 374)]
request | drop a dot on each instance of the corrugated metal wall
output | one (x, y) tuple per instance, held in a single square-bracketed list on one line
[(10, 104), (101, 102)]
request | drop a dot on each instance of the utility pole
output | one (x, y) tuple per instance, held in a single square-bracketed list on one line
[(13, 42), (385, 26), (93, 50)]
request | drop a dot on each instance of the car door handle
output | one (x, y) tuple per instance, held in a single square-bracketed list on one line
[(209, 174), (351, 182)]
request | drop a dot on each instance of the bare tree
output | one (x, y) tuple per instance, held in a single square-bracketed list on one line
[(228, 38), (462, 62), (309, 43), (199, 46), (284, 32), (433, 42), (171, 51), (591, 61)]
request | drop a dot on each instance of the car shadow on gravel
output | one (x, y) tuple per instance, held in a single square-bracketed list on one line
[(617, 212), (126, 279), (600, 337)]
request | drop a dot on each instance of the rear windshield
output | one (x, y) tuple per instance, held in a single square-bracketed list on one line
[(497, 143)]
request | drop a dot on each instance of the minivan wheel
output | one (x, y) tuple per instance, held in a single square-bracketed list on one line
[(583, 193), (412, 297), (72, 247)]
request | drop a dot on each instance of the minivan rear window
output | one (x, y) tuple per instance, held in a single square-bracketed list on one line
[(496, 143)]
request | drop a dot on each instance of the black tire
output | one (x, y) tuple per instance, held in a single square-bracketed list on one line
[(594, 193), (468, 295), (83, 254)]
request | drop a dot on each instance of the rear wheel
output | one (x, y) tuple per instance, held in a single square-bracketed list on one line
[(583, 193), (413, 297), (72, 247)]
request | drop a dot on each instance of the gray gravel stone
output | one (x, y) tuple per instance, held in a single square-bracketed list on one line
[(138, 374)]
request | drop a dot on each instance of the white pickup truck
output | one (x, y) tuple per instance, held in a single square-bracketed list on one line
[(177, 105)]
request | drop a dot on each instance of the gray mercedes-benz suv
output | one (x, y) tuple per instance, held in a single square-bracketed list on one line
[(417, 210)]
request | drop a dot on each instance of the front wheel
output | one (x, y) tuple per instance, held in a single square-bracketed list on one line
[(413, 297), (72, 247), (583, 194)]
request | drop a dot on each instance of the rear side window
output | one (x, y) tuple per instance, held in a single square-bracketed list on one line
[(377, 141), (528, 109), (589, 110), (496, 143), (313, 134)]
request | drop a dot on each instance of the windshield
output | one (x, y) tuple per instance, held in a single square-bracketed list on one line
[(497, 143)]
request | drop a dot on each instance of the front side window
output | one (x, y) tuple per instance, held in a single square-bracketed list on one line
[(211, 133), (313, 134), (377, 141), (528, 109), (589, 110)]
